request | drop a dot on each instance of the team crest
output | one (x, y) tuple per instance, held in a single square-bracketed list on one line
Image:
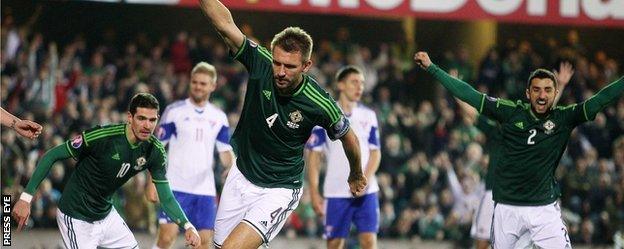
[(140, 162), (295, 117), (549, 126)]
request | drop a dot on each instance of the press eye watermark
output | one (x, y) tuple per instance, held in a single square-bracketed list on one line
[(6, 220)]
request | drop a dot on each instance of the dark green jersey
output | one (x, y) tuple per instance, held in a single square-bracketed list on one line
[(532, 148), (271, 133), (493, 146), (106, 160)]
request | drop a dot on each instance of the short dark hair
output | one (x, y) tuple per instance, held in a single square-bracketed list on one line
[(346, 71), (541, 73), (144, 100), (294, 39)]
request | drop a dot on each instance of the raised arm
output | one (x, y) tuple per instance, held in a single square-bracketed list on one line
[(564, 74), (223, 22), (458, 88), (603, 98), (25, 128), (351, 146)]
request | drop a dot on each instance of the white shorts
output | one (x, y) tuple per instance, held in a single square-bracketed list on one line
[(110, 232), (482, 222), (543, 224), (263, 209)]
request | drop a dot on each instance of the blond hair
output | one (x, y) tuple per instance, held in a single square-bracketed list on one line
[(205, 68)]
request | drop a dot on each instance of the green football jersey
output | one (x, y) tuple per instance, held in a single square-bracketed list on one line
[(493, 146), (532, 148), (105, 161), (271, 133)]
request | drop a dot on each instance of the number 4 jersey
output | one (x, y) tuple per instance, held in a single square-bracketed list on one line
[(272, 131), (106, 160)]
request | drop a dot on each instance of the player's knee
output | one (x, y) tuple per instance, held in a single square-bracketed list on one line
[(335, 243), (368, 241), (166, 239)]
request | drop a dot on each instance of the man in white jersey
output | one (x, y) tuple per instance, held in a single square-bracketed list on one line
[(342, 208), (192, 127)]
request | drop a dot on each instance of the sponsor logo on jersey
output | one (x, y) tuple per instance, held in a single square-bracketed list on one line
[(264, 223), (549, 125), (140, 162), (116, 156), (267, 94), (520, 125), (76, 142), (295, 118)]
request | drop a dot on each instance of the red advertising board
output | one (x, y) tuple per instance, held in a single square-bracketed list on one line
[(606, 13)]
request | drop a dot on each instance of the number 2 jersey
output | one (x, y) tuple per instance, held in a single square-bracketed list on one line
[(532, 145), (105, 161), (272, 131)]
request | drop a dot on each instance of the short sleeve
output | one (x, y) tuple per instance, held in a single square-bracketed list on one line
[(373, 136), (317, 139)]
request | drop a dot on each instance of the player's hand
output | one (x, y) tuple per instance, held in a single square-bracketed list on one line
[(28, 129), (317, 203), (564, 74), (21, 212), (192, 238), (151, 193), (422, 59), (357, 183)]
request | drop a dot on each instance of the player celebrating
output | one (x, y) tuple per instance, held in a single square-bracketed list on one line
[(193, 127), (534, 135), (282, 105), (107, 157), (342, 208), (482, 222)]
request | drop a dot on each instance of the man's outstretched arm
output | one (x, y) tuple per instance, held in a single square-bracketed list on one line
[(458, 88), (603, 98), (223, 22)]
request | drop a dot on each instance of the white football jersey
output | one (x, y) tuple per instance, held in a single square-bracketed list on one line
[(364, 123), (192, 133)]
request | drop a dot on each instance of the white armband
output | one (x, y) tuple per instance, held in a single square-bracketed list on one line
[(26, 197)]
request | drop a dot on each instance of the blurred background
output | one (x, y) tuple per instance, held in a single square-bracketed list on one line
[(70, 65)]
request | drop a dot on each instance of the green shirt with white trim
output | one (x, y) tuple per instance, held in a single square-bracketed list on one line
[(105, 161), (272, 131)]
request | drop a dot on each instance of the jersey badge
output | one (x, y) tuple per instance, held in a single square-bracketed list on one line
[(295, 118), (549, 126), (140, 162), (76, 142)]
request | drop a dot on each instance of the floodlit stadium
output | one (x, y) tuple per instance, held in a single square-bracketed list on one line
[(428, 78)]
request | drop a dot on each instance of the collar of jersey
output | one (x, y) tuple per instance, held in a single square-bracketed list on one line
[(300, 89), (535, 116)]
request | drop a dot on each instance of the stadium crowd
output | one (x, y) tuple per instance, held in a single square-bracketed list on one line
[(71, 87)]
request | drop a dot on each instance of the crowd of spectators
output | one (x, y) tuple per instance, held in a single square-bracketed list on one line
[(426, 143)]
